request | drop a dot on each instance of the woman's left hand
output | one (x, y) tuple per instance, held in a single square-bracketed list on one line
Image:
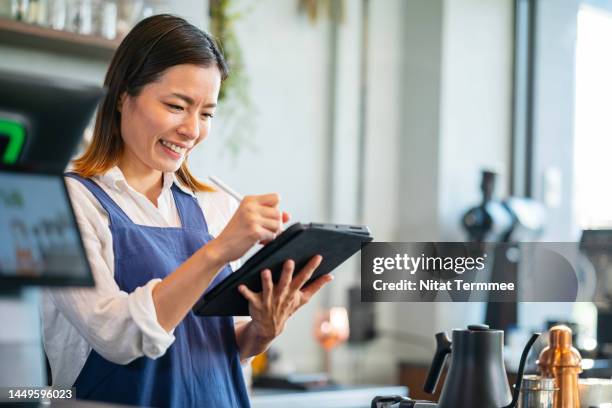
[(271, 307)]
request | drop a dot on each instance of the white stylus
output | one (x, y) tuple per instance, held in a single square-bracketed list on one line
[(225, 188)]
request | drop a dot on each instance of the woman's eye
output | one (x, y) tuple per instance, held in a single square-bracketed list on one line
[(207, 116), (174, 107)]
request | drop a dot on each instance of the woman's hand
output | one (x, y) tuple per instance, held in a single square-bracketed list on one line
[(271, 308), (256, 220)]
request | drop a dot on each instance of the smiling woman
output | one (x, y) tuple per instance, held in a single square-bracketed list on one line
[(168, 118), (157, 239), (153, 47)]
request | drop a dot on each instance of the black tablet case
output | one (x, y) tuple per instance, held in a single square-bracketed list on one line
[(300, 242)]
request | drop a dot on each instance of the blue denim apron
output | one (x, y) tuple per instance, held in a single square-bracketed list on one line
[(202, 367)]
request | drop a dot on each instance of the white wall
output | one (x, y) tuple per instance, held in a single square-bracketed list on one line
[(46, 63), (475, 120), (554, 134), (418, 153), (554, 111), (476, 105), (375, 362), (287, 130)]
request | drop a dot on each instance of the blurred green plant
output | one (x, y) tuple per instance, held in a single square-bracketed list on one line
[(334, 9), (237, 109)]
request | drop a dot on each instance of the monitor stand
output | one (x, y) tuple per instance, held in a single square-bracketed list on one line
[(21, 350)]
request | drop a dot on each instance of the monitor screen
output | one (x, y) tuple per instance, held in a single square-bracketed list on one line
[(42, 119), (40, 243)]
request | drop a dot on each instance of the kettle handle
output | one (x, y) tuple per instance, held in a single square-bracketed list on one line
[(443, 347), (521, 371)]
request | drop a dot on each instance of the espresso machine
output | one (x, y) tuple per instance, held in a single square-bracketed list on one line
[(508, 221)]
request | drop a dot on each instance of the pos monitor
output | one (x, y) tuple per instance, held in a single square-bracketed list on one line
[(42, 119), (41, 125)]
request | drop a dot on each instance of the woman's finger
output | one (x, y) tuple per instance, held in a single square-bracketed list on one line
[(314, 287), (270, 200), (286, 217), (270, 212), (265, 235), (249, 295), (306, 273), (268, 286), (272, 225), (282, 287)]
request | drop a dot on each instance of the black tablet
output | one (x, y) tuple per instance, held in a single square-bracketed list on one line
[(300, 242)]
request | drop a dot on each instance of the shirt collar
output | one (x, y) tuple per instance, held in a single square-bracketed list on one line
[(115, 179), (170, 178)]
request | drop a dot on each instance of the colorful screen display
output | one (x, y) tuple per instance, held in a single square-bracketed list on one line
[(38, 233), (12, 139)]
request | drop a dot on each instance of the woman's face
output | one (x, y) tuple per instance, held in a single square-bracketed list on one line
[(169, 117)]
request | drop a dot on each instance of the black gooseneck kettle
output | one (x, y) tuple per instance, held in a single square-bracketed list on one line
[(476, 376)]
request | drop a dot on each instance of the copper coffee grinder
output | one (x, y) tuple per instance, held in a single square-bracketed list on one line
[(561, 361)]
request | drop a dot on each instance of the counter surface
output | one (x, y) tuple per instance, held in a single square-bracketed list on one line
[(342, 397)]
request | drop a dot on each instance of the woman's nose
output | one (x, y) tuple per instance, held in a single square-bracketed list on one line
[(190, 127)]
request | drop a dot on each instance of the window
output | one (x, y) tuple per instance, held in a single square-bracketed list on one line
[(593, 119)]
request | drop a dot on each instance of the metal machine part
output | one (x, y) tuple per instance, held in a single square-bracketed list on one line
[(537, 392)]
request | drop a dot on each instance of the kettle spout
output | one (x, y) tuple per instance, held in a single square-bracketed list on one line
[(521, 370)]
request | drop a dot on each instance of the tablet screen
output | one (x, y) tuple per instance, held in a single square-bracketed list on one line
[(40, 242)]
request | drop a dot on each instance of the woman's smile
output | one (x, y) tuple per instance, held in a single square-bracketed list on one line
[(173, 150)]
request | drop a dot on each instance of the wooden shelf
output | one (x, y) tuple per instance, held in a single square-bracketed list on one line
[(26, 35)]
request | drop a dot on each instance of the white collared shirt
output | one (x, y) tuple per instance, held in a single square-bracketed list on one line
[(120, 326)]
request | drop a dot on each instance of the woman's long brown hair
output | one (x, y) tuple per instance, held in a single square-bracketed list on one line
[(151, 47)]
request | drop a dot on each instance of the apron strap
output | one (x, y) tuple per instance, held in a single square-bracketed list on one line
[(190, 212), (115, 214)]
